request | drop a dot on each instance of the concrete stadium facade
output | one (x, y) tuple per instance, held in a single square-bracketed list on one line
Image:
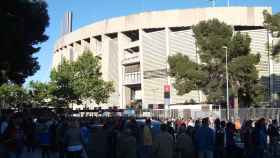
[(134, 50)]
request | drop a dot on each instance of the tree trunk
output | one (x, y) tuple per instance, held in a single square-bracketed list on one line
[(236, 106), (235, 88)]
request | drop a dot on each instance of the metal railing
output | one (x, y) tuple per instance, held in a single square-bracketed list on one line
[(243, 113), (132, 78)]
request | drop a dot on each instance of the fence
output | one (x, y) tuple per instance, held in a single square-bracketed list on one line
[(242, 113)]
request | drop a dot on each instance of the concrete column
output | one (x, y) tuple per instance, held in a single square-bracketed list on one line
[(105, 56), (77, 50), (85, 45), (121, 91), (141, 32), (92, 45), (70, 53), (167, 36)]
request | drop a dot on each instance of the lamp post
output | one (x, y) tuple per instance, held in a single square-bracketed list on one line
[(226, 48)]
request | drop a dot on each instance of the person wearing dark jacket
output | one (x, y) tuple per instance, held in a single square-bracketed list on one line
[(260, 136), (147, 140), (163, 144), (73, 140), (219, 139), (273, 133), (230, 142), (204, 139), (247, 135), (126, 146), (184, 144)]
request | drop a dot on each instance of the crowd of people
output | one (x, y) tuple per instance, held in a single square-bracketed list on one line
[(119, 137)]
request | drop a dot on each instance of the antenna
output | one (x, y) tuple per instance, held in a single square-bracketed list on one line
[(67, 23)]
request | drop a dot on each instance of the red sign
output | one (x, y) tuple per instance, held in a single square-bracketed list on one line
[(166, 88)]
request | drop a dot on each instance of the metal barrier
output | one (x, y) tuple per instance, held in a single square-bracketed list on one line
[(242, 113)]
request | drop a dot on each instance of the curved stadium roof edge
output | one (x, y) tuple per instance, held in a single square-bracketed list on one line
[(237, 16)]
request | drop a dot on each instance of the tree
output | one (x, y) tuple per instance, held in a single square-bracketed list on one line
[(188, 74), (88, 79), (41, 93), (13, 95), (272, 24), (81, 80), (23, 23), (63, 80), (212, 37)]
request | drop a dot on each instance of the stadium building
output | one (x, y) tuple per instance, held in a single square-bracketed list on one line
[(134, 50)]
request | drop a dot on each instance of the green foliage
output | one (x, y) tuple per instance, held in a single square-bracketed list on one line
[(12, 95), (88, 82), (23, 23), (272, 24), (41, 93), (63, 80), (81, 80), (187, 73), (276, 49), (211, 36), (210, 76)]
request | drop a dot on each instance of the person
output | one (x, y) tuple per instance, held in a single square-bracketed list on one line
[(73, 140), (60, 132), (146, 151), (219, 139), (4, 125), (204, 138), (4, 136), (273, 133), (19, 139), (184, 144), (247, 135), (163, 144), (29, 129), (85, 133), (171, 130), (126, 147), (230, 142), (52, 130), (44, 137), (260, 137), (237, 124), (190, 122)]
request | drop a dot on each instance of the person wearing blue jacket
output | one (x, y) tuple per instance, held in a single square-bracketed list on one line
[(204, 140), (260, 135)]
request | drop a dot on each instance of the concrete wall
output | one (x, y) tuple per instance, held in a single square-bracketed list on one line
[(154, 61), (157, 40), (240, 16)]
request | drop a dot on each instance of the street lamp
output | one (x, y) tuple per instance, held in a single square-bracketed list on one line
[(226, 48)]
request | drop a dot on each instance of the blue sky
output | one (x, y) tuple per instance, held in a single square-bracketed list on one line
[(89, 11)]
